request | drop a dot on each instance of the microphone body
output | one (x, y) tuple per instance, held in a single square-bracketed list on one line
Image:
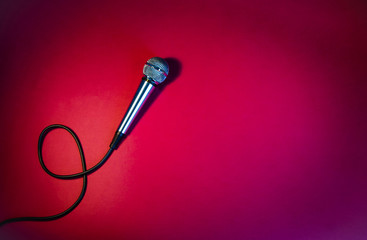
[(155, 71), (144, 90)]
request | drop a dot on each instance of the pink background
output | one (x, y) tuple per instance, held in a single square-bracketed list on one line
[(260, 132)]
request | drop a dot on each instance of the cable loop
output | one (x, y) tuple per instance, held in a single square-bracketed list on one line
[(82, 174)]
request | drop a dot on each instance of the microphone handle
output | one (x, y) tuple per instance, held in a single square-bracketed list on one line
[(145, 88)]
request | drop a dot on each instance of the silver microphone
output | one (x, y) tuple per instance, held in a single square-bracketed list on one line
[(155, 72)]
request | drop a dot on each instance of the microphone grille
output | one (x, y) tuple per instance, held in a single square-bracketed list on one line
[(157, 69)]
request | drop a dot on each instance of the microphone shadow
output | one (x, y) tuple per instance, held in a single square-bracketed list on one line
[(175, 68)]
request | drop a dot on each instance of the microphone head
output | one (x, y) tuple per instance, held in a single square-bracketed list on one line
[(156, 69)]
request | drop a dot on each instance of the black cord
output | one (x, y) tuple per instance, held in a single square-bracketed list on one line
[(82, 174)]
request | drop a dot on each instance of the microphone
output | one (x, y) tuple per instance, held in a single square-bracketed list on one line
[(155, 72)]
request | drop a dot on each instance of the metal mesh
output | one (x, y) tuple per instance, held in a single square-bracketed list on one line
[(157, 69)]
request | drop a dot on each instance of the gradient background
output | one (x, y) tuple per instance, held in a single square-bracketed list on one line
[(260, 132)]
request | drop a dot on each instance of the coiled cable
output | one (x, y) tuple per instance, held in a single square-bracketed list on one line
[(83, 174)]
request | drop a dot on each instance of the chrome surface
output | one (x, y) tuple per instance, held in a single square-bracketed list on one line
[(143, 92)]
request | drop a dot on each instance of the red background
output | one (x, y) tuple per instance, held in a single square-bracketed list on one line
[(260, 132)]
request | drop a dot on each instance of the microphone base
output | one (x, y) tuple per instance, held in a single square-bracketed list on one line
[(117, 140)]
